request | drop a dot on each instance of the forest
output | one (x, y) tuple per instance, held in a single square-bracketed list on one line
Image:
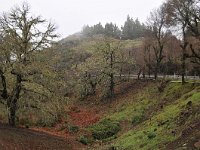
[(106, 87)]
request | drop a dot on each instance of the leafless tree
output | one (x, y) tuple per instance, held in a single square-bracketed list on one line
[(178, 12), (156, 24)]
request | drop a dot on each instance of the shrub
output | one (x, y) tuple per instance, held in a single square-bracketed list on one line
[(73, 128), (47, 121), (151, 135), (84, 140), (105, 129), (161, 86), (63, 127), (50, 112), (25, 122), (137, 119)]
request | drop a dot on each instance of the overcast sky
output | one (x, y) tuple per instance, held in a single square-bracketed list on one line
[(71, 15)]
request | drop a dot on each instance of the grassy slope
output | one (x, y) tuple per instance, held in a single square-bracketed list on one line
[(89, 45), (162, 116)]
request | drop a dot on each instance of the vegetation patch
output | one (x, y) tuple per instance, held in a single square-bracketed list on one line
[(151, 135), (175, 90), (73, 128), (163, 127), (137, 107), (83, 140), (137, 119), (105, 129)]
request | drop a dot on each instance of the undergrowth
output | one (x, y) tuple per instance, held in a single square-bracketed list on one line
[(104, 129)]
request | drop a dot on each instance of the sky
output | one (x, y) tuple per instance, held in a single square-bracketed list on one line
[(71, 15)]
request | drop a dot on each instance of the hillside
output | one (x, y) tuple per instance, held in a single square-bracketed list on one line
[(159, 120), (149, 119), (137, 118), (143, 114), (133, 87)]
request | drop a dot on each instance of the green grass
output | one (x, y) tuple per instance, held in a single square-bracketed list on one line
[(90, 44), (132, 43), (137, 105), (154, 126), (175, 90), (156, 132)]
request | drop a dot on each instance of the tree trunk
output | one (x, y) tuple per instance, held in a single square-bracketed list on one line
[(112, 84), (149, 71), (156, 73), (157, 69), (12, 112), (12, 101), (184, 46), (138, 75), (183, 69), (183, 65), (93, 88), (143, 72), (3, 80), (149, 66)]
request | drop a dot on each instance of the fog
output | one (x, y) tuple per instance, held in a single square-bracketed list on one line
[(71, 15)]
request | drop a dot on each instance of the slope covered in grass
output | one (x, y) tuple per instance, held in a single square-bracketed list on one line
[(150, 119)]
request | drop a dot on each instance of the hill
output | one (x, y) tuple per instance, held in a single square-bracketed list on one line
[(159, 120), (141, 116)]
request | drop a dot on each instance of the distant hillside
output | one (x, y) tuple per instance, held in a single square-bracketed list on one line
[(75, 36)]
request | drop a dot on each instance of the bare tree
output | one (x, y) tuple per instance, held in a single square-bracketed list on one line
[(193, 27), (179, 16), (156, 24), (147, 54)]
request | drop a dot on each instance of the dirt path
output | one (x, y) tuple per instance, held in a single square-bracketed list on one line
[(25, 139), (44, 138)]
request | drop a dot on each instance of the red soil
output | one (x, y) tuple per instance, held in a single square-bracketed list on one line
[(82, 117)]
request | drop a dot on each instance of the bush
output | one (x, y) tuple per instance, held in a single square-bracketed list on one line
[(47, 121), (84, 140), (50, 113), (25, 122), (151, 135), (105, 129), (73, 128), (137, 119), (161, 86)]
